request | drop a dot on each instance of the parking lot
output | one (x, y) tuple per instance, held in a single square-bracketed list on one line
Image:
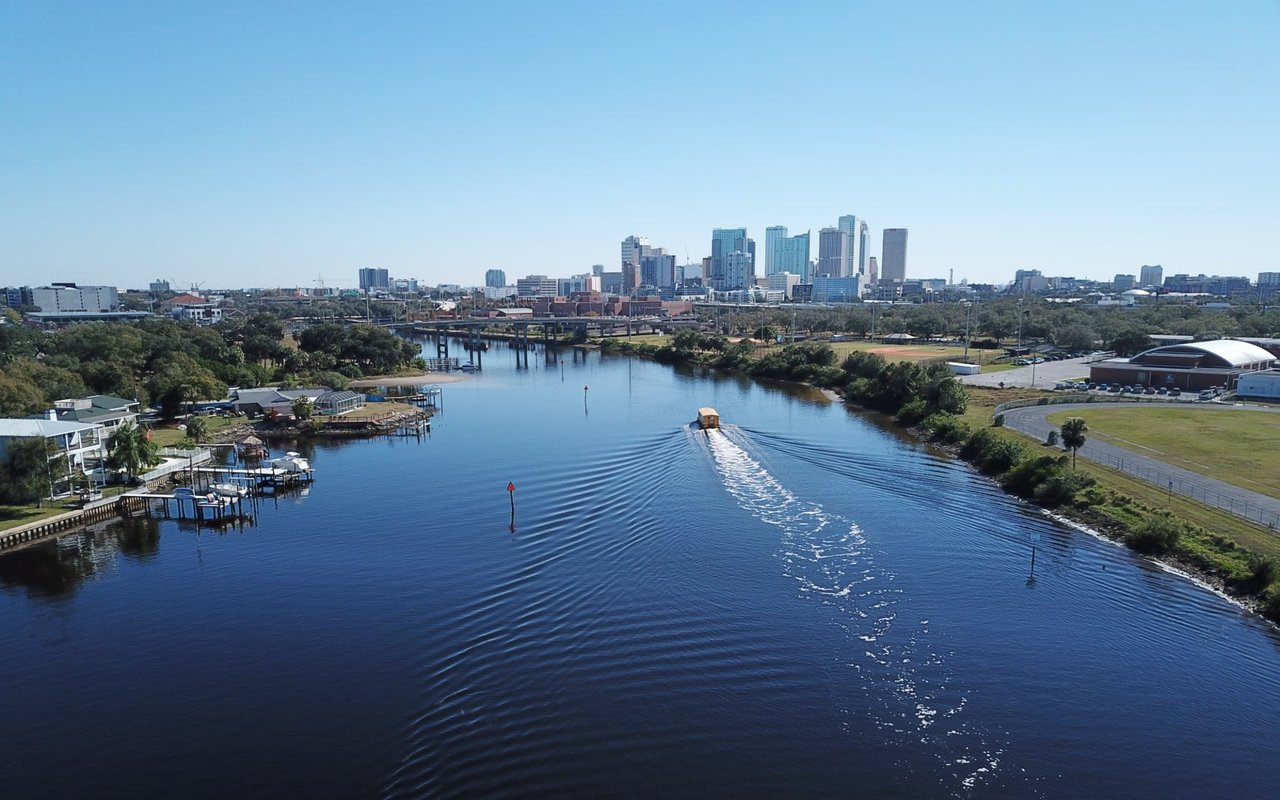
[(1041, 376)]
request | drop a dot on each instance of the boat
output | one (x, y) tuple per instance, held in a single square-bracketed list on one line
[(229, 490), (291, 462), (708, 418)]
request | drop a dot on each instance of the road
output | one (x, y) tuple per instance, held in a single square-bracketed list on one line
[(1252, 506)]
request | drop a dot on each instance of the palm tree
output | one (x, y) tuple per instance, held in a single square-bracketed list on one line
[(1073, 431), (197, 428), (131, 450)]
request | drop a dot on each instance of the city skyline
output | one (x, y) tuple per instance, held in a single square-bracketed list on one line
[(177, 142)]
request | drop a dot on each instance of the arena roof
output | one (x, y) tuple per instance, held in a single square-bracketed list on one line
[(1232, 352)]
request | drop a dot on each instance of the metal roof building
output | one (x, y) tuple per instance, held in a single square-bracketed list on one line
[(1186, 365)]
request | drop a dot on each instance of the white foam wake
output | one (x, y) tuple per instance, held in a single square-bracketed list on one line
[(904, 686)]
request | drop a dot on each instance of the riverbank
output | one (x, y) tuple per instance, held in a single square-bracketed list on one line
[(922, 403)]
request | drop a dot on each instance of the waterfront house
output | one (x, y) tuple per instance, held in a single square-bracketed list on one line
[(81, 445), (103, 409)]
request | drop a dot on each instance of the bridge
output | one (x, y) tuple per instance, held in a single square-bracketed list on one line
[(471, 330)]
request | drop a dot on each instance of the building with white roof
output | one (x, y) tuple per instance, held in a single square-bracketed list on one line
[(1186, 365)]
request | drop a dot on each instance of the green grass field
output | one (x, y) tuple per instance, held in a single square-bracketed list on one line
[(170, 436), (1232, 445), (901, 352)]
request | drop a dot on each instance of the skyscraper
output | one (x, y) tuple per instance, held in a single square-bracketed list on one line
[(873, 271), (633, 249), (893, 255), (1151, 275), (855, 228), (833, 250), (793, 254), (372, 278), (724, 243), (495, 277), (772, 236)]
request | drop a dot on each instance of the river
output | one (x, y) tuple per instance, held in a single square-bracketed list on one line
[(800, 604)]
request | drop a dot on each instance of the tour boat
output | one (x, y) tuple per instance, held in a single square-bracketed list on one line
[(708, 418)]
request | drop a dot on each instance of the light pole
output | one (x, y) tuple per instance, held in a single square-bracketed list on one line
[(968, 307)]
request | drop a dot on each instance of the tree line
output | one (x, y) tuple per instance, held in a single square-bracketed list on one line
[(168, 363)]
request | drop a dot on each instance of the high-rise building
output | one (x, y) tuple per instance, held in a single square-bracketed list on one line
[(495, 277), (1269, 280), (893, 255), (658, 268), (373, 279), (873, 271), (724, 243), (738, 270), (785, 253), (772, 236), (159, 286), (1151, 275), (633, 249), (855, 229), (833, 251), (1123, 283)]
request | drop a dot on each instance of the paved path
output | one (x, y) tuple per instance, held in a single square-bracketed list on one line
[(1045, 375), (1252, 506)]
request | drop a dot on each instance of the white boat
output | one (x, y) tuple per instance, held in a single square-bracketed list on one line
[(229, 490), (291, 462)]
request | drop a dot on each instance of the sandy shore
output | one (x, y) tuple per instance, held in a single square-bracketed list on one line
[(420, 379)]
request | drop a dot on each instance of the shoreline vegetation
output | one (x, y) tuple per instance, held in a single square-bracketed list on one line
[(1235, 557)]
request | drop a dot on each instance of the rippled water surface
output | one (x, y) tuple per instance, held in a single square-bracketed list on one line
[(800, 604)]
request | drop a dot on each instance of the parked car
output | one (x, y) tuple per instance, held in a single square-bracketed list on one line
[(1162, 390), (1093, 386), (1113, 388), (1149, 390), (1175, 392)]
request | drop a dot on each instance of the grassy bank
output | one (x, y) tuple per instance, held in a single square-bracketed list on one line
[(1232, 446)]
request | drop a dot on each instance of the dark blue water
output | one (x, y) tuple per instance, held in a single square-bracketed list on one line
[(799, 605)]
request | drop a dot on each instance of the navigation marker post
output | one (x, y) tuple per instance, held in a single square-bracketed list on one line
[(1035, 537), (511, 490), (584, 399)]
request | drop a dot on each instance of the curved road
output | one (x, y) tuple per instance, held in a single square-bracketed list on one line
[(1252, 506)]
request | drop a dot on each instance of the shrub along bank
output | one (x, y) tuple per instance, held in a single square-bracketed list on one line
[(927, 398)]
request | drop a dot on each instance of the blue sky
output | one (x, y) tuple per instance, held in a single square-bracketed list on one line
[(265, 144)]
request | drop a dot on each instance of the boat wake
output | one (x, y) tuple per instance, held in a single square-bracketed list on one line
[(903, 687)]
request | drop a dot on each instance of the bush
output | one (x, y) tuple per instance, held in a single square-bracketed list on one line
[(1155, 535), (1047, 480), (998, 422), (991, 453), (944, 427), (912, 413), (1051, 439)]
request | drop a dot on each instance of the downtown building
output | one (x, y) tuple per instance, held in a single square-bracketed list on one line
[(856, 233), (1151, 275), (494, 278), (833, 253), (733, 256), (893, 255), (783, 253), (374, 279)]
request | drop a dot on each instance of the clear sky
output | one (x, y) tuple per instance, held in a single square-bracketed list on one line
[(274, 143)]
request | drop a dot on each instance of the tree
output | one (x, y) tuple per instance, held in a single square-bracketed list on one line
[(1130, 342), (30, 470), (132, 450), (197, 429), (302, 408), (1073, 437)]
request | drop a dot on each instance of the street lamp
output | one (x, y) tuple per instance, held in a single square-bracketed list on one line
[(968, 307)]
